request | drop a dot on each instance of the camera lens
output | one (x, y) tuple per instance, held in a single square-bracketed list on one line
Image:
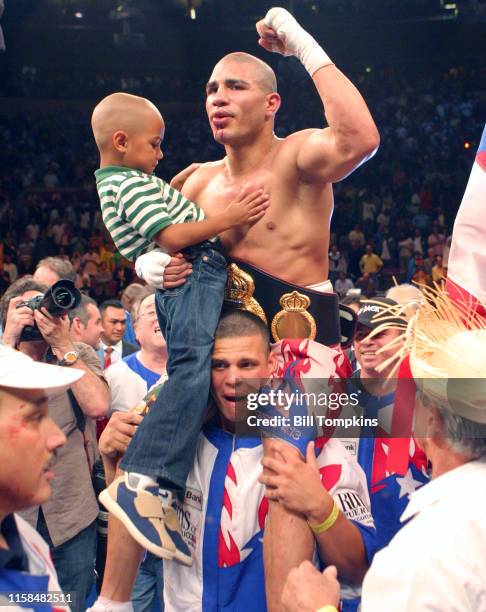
[(63, 298)]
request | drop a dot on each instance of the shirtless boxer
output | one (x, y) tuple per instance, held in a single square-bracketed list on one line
[(291, 242)]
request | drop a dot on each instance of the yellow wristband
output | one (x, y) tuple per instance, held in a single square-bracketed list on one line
[(328, 609), (328, 523)]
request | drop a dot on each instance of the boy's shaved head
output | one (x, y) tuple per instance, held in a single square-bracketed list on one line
[(119, 111), (264, 75)]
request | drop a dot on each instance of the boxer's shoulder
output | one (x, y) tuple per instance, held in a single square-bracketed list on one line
[(298, 139), (200, 178), (288, 148), (209, 170)]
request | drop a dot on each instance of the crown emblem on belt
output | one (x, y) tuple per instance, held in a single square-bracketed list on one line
[(239, 292), (294, 302), (293, 321)]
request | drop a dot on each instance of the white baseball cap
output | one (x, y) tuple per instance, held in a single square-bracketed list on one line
[(19, 371)]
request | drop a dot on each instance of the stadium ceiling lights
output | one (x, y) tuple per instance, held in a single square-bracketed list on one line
[(190, 7)]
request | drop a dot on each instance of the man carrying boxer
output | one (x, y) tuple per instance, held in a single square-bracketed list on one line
[(223, 514)]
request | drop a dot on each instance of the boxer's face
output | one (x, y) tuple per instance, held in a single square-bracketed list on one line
[(236, 104), (233, 360)]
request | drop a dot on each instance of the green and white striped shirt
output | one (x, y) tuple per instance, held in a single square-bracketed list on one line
[(136, 206)]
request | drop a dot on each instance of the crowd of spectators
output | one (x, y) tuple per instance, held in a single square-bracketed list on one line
[(38, 81)]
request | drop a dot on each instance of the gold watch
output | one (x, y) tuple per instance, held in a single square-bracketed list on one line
[(69, 358)]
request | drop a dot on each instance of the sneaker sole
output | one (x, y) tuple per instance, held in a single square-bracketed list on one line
[(113, 507)]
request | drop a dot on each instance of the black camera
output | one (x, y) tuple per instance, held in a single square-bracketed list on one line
[(57, 300)]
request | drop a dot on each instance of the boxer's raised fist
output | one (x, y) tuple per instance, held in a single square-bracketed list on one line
[(280, 29), (279, 32), (270, 40)]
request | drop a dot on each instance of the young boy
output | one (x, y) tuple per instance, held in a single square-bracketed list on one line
[(142, 212)]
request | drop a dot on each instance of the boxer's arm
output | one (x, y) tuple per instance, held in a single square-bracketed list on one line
[(342, 545), (297, 485), (330, 154), (287, 541), (351, 138), (196, 181)]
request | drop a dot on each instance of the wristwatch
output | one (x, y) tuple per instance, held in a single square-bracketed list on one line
[(69, 359)]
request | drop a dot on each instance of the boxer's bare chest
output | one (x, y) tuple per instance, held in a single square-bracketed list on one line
[(221, 190), (294, 230)]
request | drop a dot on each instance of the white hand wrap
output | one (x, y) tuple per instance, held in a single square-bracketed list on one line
[(297, 41), (150, 267)]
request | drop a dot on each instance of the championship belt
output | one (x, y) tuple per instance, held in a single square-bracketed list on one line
[(290, 311)]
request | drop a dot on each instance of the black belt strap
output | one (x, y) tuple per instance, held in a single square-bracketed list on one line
[(335, 322)]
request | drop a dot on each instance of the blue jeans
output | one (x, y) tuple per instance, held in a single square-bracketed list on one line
[(165, 443), (147, 594), (74, 562)]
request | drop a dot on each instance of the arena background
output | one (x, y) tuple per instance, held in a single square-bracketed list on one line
[(419, 64)]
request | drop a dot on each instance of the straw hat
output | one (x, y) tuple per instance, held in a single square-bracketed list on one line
[(446, 345)]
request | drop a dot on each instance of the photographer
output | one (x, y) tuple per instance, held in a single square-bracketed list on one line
[(67, 520)]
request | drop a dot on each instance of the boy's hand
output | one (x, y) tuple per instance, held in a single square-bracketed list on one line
[(247, 208)]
